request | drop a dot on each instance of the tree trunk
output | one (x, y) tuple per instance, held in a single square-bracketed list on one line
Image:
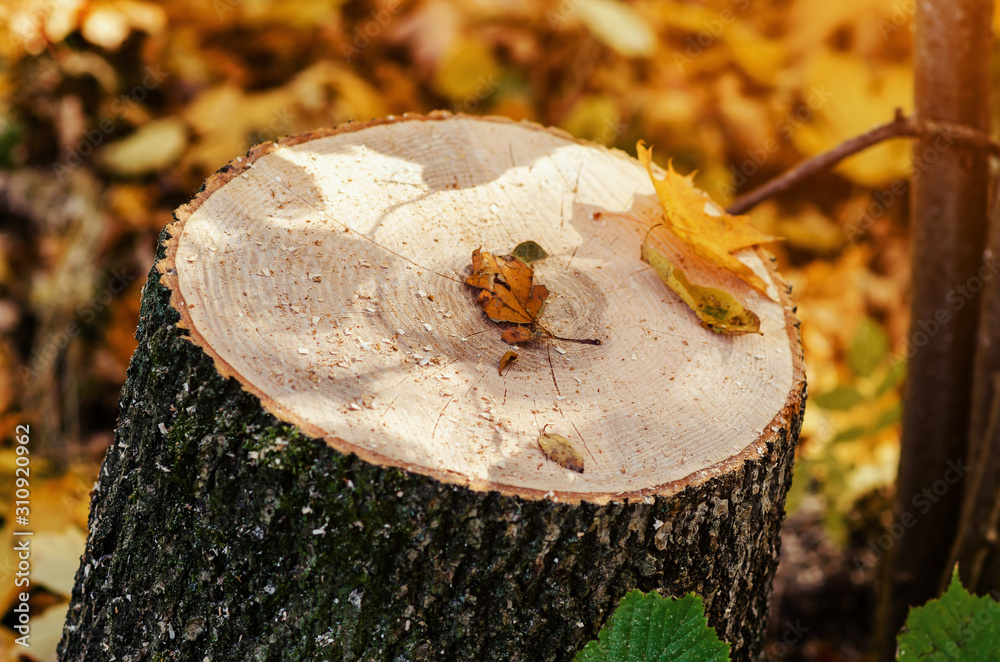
[(313, 292), (952, 51)]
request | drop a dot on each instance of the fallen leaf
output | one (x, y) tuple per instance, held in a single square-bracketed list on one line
[(558, 449), (508, 293), (618, 26), (506, 360), (462, 69), (528, 252), (717, 309), (701, 224), (152, 148), (875, 94), (518, 334), (594, 118)]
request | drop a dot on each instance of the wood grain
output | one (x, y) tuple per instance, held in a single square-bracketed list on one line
[(325, 273)]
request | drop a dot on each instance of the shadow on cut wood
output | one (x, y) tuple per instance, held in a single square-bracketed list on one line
[(317, 457)]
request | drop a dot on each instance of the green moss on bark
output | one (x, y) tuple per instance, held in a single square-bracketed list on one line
[(219, 532)]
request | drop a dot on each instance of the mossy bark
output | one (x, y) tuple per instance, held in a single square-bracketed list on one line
[(218, 532)]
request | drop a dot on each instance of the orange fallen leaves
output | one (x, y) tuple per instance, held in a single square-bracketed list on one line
[(508, 292), (505, 361), (510, 295)]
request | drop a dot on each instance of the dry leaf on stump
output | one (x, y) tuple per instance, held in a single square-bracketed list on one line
[(701, 224), (558, 449), (710, 233)]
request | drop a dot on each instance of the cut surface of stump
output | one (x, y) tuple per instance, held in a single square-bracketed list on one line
[(317, 457), (326, 275)]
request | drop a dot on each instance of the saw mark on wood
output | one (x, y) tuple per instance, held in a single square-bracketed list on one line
[(586, 446), (582, 440), (534, 413), (387, 409), (481, 377), (572, 255), (347, 228), (649, 330), (638, 271), (440, 414), (415, 373), (552, 370)]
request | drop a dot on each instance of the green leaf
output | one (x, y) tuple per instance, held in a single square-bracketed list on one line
[(893, 376), (957, 627), (717, 310), (851, 433), (528, 252), (890, 416), (839, 399), (869, 347), (648, 628), (11, 134)]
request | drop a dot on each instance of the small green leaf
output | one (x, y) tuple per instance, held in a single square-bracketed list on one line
[(717, 310), (957, 627), (890, 416), (839, 399), (528, 252), (893, 376), (869, 347), (851, 433), (11, 134), (648, 628)]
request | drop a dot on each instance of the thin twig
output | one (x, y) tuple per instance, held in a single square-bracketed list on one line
[(900, 127)]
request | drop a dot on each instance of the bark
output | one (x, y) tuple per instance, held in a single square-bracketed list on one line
[(975, 545), (219, 531)]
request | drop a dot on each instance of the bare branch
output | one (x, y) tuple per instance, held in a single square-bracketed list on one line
[(900, 127)]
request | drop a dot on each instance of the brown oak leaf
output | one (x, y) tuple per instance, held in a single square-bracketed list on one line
[(508, 292)]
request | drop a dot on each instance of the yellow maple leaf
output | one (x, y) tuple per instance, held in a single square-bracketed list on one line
[(701, 224)]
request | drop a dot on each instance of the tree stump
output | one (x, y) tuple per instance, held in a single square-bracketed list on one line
[(317, 458)]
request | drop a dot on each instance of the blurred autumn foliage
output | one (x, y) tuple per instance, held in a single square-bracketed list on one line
[(113, 113)]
